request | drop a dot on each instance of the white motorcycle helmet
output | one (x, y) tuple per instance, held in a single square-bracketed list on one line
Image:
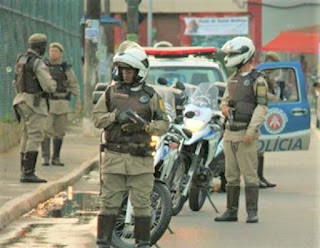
[(135, 58), (239, 50)]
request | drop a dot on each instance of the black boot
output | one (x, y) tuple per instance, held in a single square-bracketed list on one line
[(231, 214), (57, 143), (45, 149), (29, 164), (252, 195), (105, 227), (263, 183), (223, 183), (142, 231), (21, 162)]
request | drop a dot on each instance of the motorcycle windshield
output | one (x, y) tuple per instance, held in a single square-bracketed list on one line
[(205, 96)]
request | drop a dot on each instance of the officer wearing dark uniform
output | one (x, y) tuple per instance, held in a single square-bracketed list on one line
[(128, 164), (245, 105), (57, 119), (33, 82)]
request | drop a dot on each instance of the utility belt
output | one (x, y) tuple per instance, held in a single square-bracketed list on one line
[(60, 97), (236, 128), (140, 150)]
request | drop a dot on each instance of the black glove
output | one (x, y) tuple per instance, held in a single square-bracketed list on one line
[(122, 117), (132, 128)]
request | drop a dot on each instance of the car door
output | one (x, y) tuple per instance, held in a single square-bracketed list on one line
[(287, 125)]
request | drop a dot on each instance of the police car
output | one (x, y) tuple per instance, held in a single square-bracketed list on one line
[(287, 127), (192, 65)]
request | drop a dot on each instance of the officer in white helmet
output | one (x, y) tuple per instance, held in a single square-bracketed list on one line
[(128, 164), (245, 105)]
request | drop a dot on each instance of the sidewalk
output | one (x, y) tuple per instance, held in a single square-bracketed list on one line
[(80, 155)]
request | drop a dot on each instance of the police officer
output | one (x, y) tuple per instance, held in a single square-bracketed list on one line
[(57, 119), (245, 105), (32, 82), (128, 164), (270, 57)]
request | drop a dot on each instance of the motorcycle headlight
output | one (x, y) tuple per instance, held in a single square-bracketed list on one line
[(155, 140), (194, 125)]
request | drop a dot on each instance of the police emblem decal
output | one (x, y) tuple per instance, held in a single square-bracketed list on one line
[(276, 121), (246, 82), (144, 99)]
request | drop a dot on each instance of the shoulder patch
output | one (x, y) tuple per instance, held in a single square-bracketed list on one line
[(161, 105)]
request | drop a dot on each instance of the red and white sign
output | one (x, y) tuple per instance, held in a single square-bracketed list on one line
[(235, 25)]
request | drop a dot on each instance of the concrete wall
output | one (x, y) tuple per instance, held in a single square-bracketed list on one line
[(275, 20), (9, 135), (181, 6)]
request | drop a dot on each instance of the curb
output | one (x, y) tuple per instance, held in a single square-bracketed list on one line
[(17, 207)]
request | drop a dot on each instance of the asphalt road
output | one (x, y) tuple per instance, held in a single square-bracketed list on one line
[(289, 214)]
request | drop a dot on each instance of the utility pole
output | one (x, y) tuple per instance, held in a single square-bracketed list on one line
[(150, 23), (133, 19), (91, 35)]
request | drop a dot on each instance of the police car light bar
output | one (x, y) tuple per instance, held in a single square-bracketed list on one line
[(179, 51)]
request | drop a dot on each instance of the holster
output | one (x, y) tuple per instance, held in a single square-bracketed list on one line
[(38, 96)]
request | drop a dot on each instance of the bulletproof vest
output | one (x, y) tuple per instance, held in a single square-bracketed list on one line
[(120, 97), (58, 73), (26, 80), (242, 96)]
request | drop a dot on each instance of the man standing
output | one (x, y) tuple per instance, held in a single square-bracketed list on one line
[(32, 82), (57, 119), (245, 105), (128, 164)]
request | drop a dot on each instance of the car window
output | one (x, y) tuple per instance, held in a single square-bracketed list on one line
[(284, 84), (193, 75)]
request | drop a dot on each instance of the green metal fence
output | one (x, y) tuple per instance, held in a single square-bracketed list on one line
[(58, 19)]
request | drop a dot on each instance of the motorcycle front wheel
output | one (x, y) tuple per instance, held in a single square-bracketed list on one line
[(123, 234), (197, 197), (176, 183)]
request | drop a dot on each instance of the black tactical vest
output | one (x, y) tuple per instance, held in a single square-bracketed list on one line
[(58, 73), (242, 96), (28, 81), (122, 98)]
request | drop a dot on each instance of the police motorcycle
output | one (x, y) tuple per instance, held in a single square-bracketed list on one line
[(123, 234), (200, 153), (170, 145)]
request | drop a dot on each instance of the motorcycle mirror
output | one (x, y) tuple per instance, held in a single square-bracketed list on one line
[(187, 132), (189, 114), (162, 81), (180, 86)]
